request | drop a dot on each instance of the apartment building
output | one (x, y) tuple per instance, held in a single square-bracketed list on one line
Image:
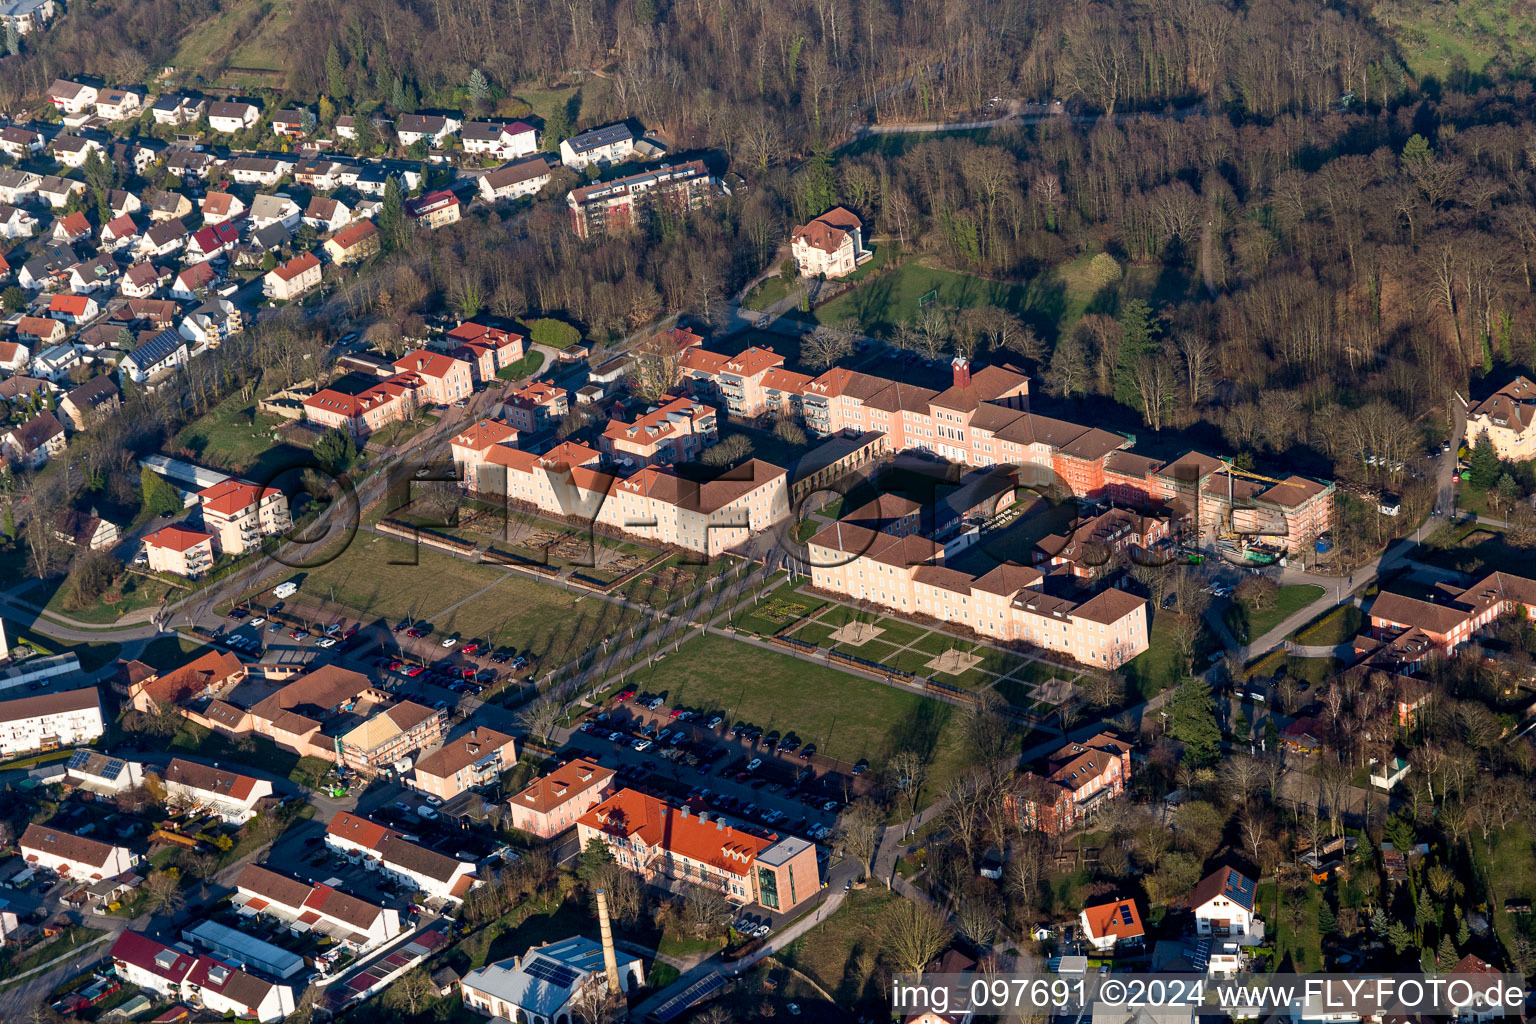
[(487, 349), (1408, 629), (309, 714), (353, 244), (516, 180), (176, 973), (366, 412), (292, 279), (663, 843), (907, 574), (208, 675), (441, 379), (1097, 544), (466, 762), (471, 447), (1073, 784), (553, 802), (239, 515), (535, 406), (383, 849), (390, 735), (611, 144), (503, 141), (1508, 417), (180, 550), (832, 245), (736, 382), (233, 797), (73, 856), (355, 923), (677, 431), (435, 209), (631, 202), (49, 721)]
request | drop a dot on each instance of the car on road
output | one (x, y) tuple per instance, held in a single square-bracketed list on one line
[(830, 805), (299, 634), (808, 751), (763, 321), (414, 671), (238, 613), (274, 627)]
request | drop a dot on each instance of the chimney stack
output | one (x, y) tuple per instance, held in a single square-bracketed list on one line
[(610, 960), (962, 368)]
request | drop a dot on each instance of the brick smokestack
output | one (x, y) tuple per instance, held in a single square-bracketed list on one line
[(962, 368), (610, 959)]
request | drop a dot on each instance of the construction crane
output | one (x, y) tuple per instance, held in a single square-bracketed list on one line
[(1248, 474)]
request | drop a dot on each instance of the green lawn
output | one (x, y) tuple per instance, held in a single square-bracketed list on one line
[(135, 592), (1160, 665), (234, 437), (775, 611), (838, 954), (527, 366), (1301, 942), (1248, 624), (766, 293), (1510, 869), (1339, 626), (672, 579), (845, 716)]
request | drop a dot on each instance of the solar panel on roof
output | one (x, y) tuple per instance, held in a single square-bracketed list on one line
[(78, 759), (1125, 913), (556, 974)]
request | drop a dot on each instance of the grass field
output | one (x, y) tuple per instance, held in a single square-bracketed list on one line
[(524, 367), (1247, 624), (845, 716), (234, 437), (1160, 665), (1510, 869), (1337, 627), (136, 592), (1433, 38), (838, 954), (400, 431), (766, 293)]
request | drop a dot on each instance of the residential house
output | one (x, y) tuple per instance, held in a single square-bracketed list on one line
[(56, 361), (363, 413), (19, 390), (502, 141), (203, 981), (65, 853), (177, 108), (85, 404), (28, 15), (170, 206), (677, 431), (73, 309), (1508, 419), (136, 157), (97, 773), (323, 174), (191, 164), (464, 763), (190, 283), (14, 356), (661, 842), (219, 207), (213, 240), (259, 170), (15, 184), (233, 116), (1224, 906), (601, 146), (240, 515), (435, 209), (429, 128), (142, 280), (34, 442), (86, 532), (553, 802), (353, 244), (71, 97), (292, 279), (515, 180), (441, 379), (354, 922), (180, 550), (1073, 784), (56, 190), (212, 323), (550, 983), (97, 274), (70, 229), (49, 268), (121, 201), (162, 239), (628, 203), (118, 104), (535, 405), (16, 223), (1114, 926), (118, 233), (268, 210), (327, 215), (233, 797), (48, 721), (437, 875), (831, 245), (40, 331), (487, 349), (469, 449), (291, 123), (20, 143), (390, 735), (346, 127), (154, 356), (73, 150)]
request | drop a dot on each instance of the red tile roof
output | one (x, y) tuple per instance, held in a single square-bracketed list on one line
[(230, 497), (634, 815), (296, 266), (177, 538)]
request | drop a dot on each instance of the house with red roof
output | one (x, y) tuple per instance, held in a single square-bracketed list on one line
[(535, 405), (663, 843), (831, 245), (676, 431), (363, 841), (469, 448), (212, 240), (71, 228), (365, 412), (292, 279), (354, 922), (181, 550), (487, 349), (40, 330), (73, 309), (192, 280), (202, 981), (219, 207), (208, 675), (118, 233), (353, 243), (442, 378), (240, 515), (1225, 906), (1072, 784), (233, 797), (553, 802), (1113, 926)]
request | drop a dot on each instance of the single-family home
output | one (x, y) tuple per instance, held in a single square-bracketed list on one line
[(73, 309), (290, 123), (503, 141), (118, 104), (180, 550), (464, 763), (327, 215), (49, 268), (435, 209), (177, 108), (88, 532), (16, 184), (40, 331), (233, 797), (73, 150), (67, 854), (552, 802), (216, 987), (142, 280), (118, 233), (190, 164), (232, 116), (212, 323), (55, 361), (346, 127), (259, 170), (213, 240), (27, 15), (1224, 906), (516, 180), (154, 356), (16, 222), (33, 443), (604, 146), (121, 201), (353, 244), (831, 245), (14, 356), (323, 174), (1113, 926), (72, 97), (49, 721), (219, 207), (19, 143), (84, 404), (431, 128), (97, 773), (56, 190), (292, 279), (97, 274), (191, 282), (162, 238), (268, 210), (70, 228)]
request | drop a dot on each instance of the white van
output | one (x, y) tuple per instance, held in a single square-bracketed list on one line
[(283, 591)]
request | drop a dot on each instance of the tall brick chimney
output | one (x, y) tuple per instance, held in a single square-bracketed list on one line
[(962, 368), (610, 959)]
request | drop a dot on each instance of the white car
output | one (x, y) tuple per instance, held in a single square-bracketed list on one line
[(327, 641), (641, 745), (755, 764), (258, 620), (450, 642)]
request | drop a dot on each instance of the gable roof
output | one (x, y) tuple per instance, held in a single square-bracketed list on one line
[(458, 754), (177, 538), (221, 782), (1118, 920), (59, 843), (656, 823), (1225, 882)]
